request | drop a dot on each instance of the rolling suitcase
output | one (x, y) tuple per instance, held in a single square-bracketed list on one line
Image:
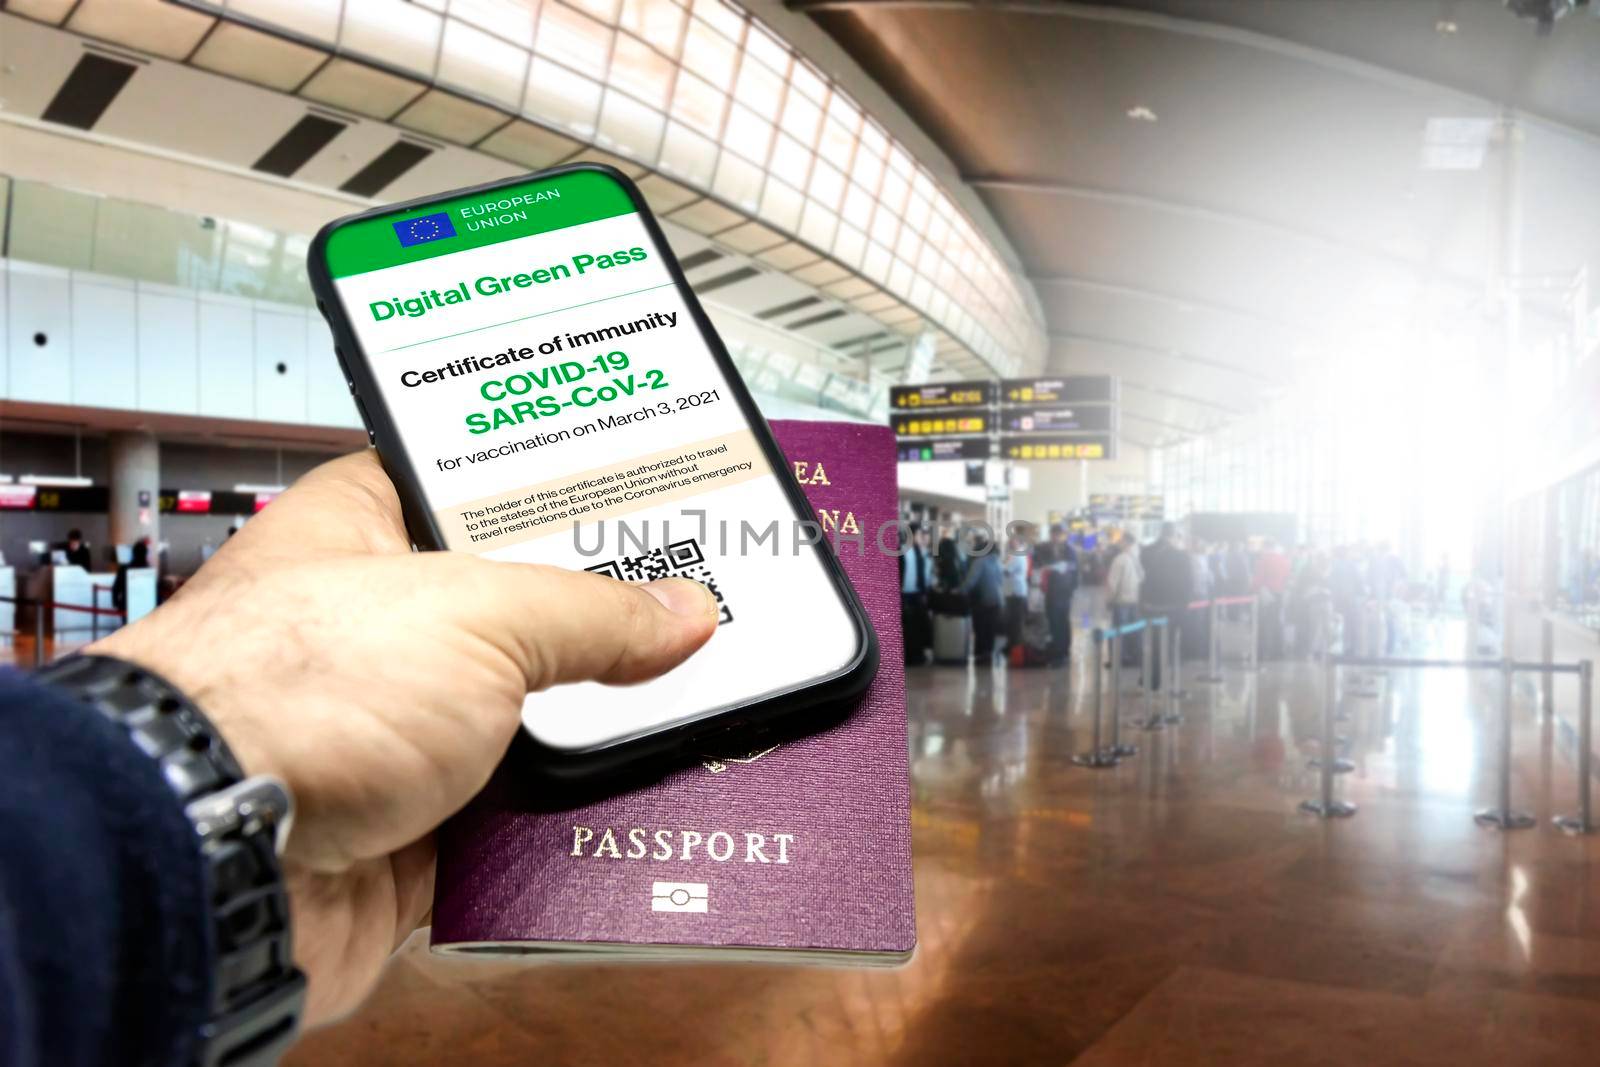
[(952, 637)]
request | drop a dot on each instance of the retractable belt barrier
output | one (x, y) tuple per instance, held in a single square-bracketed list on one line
[(39, 608), (1161, 634), (1109, 755), (1214, 652), (1502, 816), (1158, 629)]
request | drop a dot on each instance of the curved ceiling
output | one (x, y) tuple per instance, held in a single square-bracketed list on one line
[(731, 133), (1208, 193)]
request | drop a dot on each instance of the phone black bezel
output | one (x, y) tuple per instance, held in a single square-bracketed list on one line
[(758, 722)]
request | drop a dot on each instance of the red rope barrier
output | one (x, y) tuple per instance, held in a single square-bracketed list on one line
[(1224, 600), (85, 608)]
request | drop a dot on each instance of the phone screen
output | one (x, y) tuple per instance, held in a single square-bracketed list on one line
[(558, 403)]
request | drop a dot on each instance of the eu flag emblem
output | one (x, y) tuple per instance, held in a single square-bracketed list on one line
[(424, 228)]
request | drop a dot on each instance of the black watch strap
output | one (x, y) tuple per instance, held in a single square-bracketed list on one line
[(257, 992)]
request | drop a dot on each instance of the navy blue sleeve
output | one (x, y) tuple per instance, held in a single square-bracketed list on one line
[(105, 935)]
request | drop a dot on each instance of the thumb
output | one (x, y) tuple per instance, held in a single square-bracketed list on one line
[(561, 626)]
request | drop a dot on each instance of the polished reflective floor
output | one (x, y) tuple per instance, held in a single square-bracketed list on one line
[(1175, 909)]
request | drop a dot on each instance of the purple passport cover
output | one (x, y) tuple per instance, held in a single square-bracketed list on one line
[(844, 796)]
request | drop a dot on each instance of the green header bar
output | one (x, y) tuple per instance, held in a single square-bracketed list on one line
[(463, 222)]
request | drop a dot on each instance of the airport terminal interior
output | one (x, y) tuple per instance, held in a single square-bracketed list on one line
[(1252, 343)]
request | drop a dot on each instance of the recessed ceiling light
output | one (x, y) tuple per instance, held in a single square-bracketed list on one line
[(1445, 26), (1140, 113), (71, 481)]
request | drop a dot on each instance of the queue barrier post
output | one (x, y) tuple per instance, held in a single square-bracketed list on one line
[(1366, 683), (1169, 668), (1116, 688), (1547, 683), (1119, 748), (1504, 817), (1175, 615), (1175, 668), (1214, 649), (1097, 757), (1175, 634), (1325, 806), (1255, 632), (1177, 657), (94, 599), (1152, 714), (1582, 822), (1144, 662), (1116, 677), (39, 608), (1334, 710)]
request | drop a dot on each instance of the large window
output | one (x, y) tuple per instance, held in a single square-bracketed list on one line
[(1576, 543), (707, 95)]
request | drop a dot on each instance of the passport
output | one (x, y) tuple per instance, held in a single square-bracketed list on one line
[(801, 851)]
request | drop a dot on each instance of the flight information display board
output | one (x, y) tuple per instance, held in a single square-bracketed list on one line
[(1082, 419), (943, 395), (1038, 446), (211, 502), (946, 448), (1071, 389), (945, 422), (1127, 506), (87, 499), (1067, 417)]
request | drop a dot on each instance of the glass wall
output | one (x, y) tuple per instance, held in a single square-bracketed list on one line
[(1428, 443), (1409, 448), (1576, 545), (103, 235), (82, 231)]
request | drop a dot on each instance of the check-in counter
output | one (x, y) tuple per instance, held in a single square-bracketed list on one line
[(72, 588), (141, 593), (8, 609)]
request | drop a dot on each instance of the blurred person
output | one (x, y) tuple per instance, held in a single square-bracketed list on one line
[(1309, 599), (138, 559), (1202, 573), (1269, 580), (1236, 569), (1124, 577), (1272, 571), (1347, 587), (77, 550), (1123, 581), (948, 564), (1298, 560), (1217, 561), (1389, 586), (916, 582), (379, 685), (1015, 575), (984, 589), (1169, 578), (1056, 563)]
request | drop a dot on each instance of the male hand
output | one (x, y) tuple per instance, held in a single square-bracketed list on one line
[(383, 686)]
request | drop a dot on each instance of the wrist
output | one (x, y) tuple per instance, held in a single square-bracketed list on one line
[(190, 671), (238, 821)]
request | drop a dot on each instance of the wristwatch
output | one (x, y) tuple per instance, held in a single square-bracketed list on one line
[(241, 823)]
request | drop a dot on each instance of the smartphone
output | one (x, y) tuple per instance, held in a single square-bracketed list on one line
[(543, 386)]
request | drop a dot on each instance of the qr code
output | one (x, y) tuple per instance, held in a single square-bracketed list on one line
[(680, 559)]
